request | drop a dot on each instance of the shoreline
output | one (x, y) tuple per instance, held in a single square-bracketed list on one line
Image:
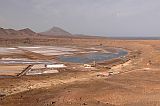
[(38, 85)]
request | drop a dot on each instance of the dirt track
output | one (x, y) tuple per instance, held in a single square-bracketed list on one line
[(138, 84)]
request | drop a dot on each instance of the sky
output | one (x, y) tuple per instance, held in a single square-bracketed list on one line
[(92, 17)]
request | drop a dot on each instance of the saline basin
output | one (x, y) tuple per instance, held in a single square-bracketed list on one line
[(95, 56)]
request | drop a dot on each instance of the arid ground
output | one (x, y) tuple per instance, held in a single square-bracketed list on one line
[(136, 84)]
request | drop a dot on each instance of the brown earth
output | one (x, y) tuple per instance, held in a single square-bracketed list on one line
[(137, 84)]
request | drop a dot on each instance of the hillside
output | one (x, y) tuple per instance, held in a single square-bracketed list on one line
[(56, 31), (11, 33)]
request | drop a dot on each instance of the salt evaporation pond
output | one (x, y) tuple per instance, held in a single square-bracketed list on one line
[(95, 56)]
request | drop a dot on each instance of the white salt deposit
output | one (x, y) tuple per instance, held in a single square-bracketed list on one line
[(50, 50), (62, 48), (56, 54), (4, 50), (25, 47), (34, 73), (45, 51), (11, 48), (14, 59)]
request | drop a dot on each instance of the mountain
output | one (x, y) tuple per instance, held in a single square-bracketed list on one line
[(2, 32), (27, 31), (56, 31), (9, 33)]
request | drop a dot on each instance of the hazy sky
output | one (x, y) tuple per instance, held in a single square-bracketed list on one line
[(97, 17)]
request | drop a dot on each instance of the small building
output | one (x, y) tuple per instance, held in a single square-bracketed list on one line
[(55, 66)]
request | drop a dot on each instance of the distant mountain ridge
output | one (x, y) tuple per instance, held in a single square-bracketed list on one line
[(28, 33), (53, 32), (6, 32), (56, 31), (16, 33)]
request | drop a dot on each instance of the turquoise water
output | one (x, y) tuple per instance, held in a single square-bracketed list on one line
[(90, 57)]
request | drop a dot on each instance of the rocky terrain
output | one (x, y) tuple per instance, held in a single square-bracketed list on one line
[(136, 82)]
